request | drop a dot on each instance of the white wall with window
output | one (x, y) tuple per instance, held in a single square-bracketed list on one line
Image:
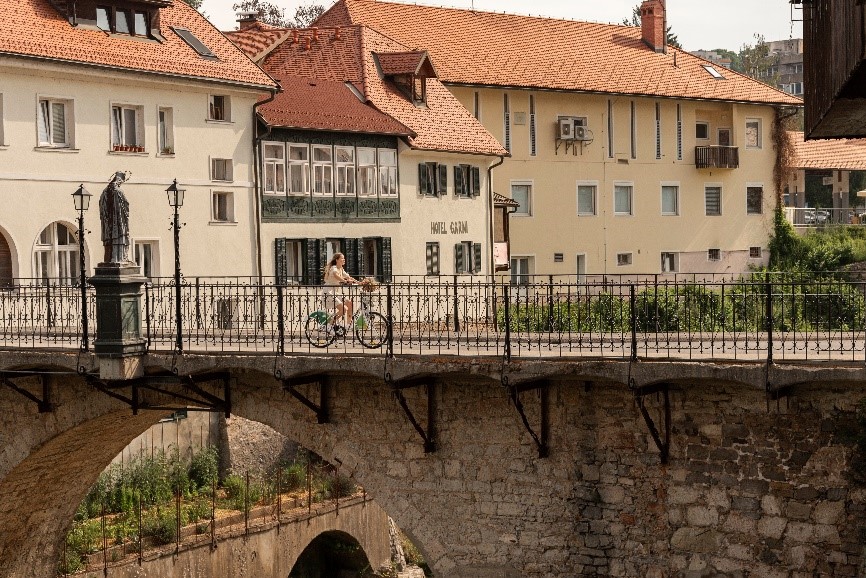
[(221, 170), (670, 198), (587, 198), (623, 199), (222, 207), (754, 136), (754, 198), (55, 254), (713, 200), (146, 256), (219, 108), (127, 128), (522, 269), (165, 130), (669, 262)]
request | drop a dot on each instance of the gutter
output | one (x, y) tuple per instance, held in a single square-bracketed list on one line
[(490, 213), (257, 195)]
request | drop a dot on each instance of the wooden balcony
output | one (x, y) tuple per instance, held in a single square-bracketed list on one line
[(717, 157)]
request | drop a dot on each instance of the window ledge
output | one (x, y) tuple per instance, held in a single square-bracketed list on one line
[(165, 155), (587, 215), (215, 121), (129, 153), (223, 223), (45, 149), (220, 181), (3, 146)]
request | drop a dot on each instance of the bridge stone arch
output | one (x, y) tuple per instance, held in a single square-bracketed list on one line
[(484, 503)]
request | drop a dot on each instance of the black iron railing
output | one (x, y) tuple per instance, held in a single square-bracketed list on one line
[(758, 316), (717, 157)]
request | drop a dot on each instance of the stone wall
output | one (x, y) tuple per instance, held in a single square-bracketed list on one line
[(250, 446)]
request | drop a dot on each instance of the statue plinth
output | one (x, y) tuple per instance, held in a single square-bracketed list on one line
[(118, 319)]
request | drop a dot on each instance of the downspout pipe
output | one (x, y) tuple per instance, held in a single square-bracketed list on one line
[(257, 185), (491, 208)]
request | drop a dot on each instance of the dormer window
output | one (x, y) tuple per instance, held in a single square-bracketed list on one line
[(123, 20), (409, 71)]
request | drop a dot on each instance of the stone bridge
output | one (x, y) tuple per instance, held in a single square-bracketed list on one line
[(531, 468)]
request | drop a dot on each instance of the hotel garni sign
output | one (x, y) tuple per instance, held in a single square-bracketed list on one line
[(453, 227)]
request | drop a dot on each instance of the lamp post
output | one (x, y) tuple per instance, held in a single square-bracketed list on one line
[(82, 203), (175, 199)]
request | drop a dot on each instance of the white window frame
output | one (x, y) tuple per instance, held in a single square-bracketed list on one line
[(165, 131), (121, 131), (629, 184), (301, 164), (274, 165), (59, 257), (344, 177), (662, 186), (68, 122), (531, 193), (367, 174), (671, 257), (594, 185), (760, 135), (212, 108), (581, 274), (628, 260), (154, 256), (294, 261), (229, 169), (705, 124), (763, 191), (518, 277), (229, 197), (721, 199), (323, 171), (389, 187)]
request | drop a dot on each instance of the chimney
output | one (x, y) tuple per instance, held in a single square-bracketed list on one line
[(247, 19), (652, 24)]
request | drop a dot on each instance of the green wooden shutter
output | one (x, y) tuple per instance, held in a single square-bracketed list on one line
[(476, 181), (423, 185), (458, 258), (305, 272), (476, 258), (385, 265), (362, 263), (458, 180), (350, 250), (442, 181), (313, 262), (280, 265)]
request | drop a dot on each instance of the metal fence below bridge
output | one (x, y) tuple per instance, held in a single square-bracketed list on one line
[(755, 317)]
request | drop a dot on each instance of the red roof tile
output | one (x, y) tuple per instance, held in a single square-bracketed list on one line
[(443, 125), (38, 30), (401, 62), (257, 38), (838, 154), (317, 104), (485, 48)]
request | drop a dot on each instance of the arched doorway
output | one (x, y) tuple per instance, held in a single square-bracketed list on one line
[(55, 254), (332, 554), (6, 271)]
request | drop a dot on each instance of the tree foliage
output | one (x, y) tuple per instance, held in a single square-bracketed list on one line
[(275, 16), (194, 3), (672, 39), (757, 61)]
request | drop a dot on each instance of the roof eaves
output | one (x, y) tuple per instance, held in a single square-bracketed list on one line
[(223, 81), (462, 152)]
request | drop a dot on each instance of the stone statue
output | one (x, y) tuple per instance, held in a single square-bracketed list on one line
[(114, 217)]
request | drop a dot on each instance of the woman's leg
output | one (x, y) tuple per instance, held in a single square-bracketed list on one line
[(349, 306), (339, 314)]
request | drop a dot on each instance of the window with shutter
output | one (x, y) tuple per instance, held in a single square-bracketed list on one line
[(459, 259), (280, 261), (476, 181), (459, 182), (433, 258), (442, 180), (385, 254), (351, 251), (476, 258)]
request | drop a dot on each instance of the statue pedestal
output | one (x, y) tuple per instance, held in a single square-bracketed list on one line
[(119, 343)]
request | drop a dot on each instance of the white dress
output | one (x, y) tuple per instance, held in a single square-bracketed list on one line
[(332, 293)]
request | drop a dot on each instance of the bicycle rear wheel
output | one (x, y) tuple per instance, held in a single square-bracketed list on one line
[(317, 331), (371, 329)]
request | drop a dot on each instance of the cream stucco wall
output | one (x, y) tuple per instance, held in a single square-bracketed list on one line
[(465, 219), (554, 225), (37, 183)]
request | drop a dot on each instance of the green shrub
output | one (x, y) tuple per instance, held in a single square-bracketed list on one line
[(204, 468), (161, 525)]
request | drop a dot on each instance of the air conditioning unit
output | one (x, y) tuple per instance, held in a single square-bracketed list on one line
[(566, 129), (581, 133)]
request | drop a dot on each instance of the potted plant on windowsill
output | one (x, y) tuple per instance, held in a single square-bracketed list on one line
[(117, 147), (167, 150)]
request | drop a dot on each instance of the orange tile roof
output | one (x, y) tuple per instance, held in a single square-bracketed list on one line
[(443, 125), (36, 29), (837, 154), (486, 48), (257, 38), (401, 62), (316, 104)]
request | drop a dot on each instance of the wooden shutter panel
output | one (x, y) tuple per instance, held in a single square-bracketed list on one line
[(350, 250), (423, 185), (429, 258), (476, 181), (312, 264), (435, 259), (442, 181), (458, 180), (476, 258), (280, 265), (385, 257), (458, 258)]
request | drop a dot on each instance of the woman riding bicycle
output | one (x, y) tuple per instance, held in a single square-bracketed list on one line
[(334, 276)]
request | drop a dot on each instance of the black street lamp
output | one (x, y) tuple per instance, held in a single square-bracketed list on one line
[(82, 203), (175, 199)]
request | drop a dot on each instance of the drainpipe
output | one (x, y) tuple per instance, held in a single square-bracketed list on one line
[(490, 214), (256, 178)]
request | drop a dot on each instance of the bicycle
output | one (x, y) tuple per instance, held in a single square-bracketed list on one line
[(370, 327)]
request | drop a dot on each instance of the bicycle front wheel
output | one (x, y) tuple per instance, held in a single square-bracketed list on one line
[(318, 333), (371, 329)]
